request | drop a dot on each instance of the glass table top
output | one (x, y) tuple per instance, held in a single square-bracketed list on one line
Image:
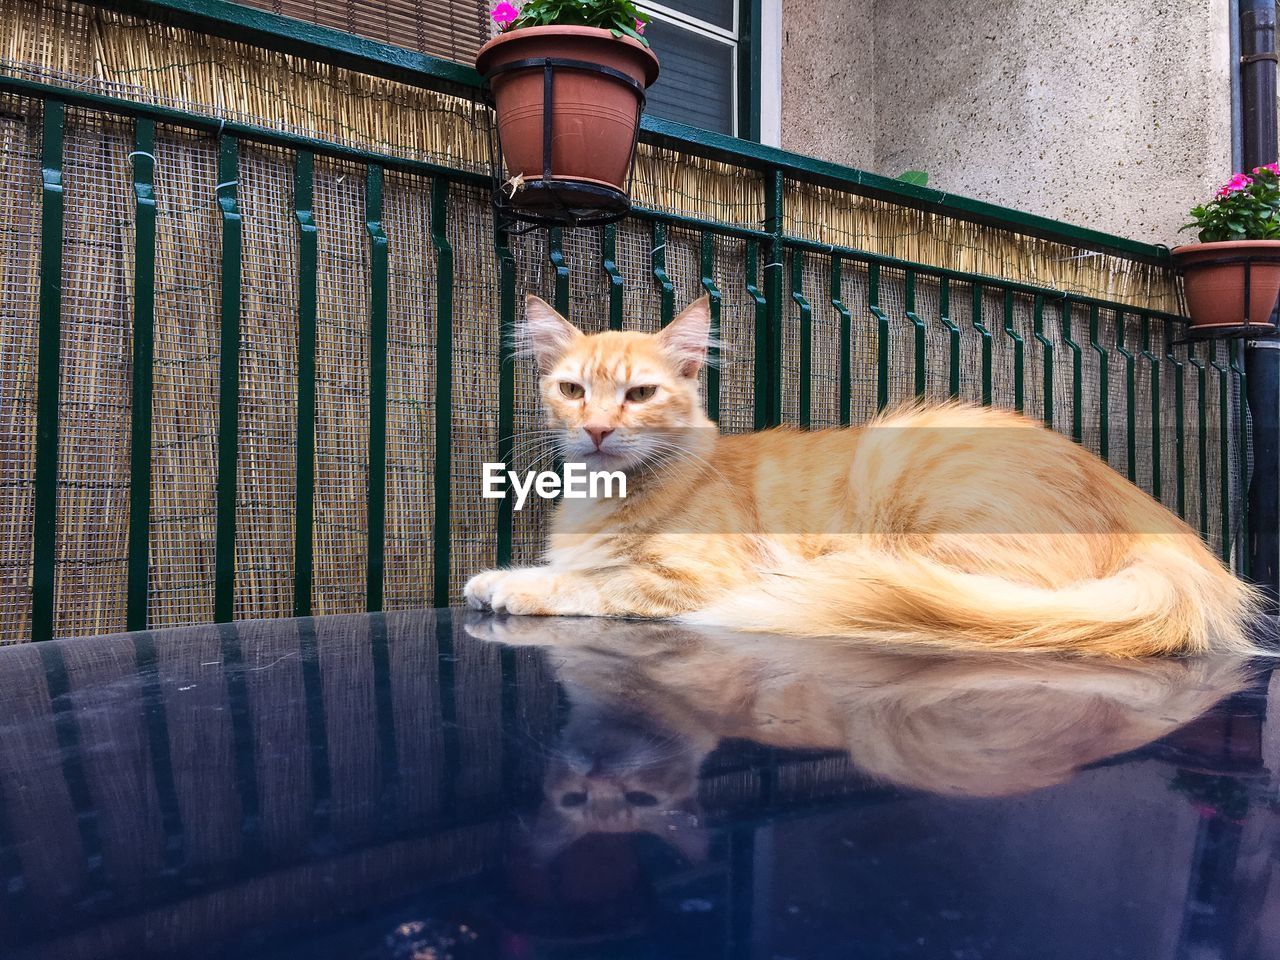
[(432, 784)]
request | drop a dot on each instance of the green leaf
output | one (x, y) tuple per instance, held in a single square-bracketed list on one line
[(918, 178)]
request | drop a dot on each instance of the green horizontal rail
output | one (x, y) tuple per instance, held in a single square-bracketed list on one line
[(48, 374), (271, 31)]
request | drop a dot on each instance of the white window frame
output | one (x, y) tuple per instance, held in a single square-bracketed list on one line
[(711, 31)]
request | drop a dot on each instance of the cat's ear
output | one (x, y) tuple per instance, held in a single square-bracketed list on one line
[(544, 334), (688, 336)]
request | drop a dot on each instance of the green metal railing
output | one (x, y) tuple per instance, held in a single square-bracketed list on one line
[(831, 333)]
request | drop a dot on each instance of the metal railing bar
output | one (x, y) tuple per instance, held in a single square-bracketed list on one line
[(48, 364), (846, 343), (806, 339), (609, 264), (920, 361), (1130, 396), (882, 335), (228, 381), (1224, 463), (1046, 347), (980, 326), (144, 307), (658, 264), (751, 273), (1157, 480), (1077, 371), (379, 278), (506, 380), (1104, 387), (708, 266), (1019, 353), (305, 465), (953, 337), (441, 525)]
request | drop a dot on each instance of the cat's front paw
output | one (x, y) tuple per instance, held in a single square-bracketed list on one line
[(521, 591)]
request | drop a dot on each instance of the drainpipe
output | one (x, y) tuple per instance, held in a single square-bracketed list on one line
[(1257, 68)]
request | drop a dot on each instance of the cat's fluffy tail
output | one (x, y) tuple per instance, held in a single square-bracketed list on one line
[(1164, 601)]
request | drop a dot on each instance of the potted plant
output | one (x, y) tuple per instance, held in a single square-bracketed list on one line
[(595, 106), (1232, 275)]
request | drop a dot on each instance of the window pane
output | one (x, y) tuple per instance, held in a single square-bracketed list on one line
[(695, 83), (718, 12)]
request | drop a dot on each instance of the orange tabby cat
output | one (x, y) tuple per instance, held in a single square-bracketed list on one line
[(948, 524)]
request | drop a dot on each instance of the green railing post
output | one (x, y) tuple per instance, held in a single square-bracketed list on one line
[(882, 335), (444, 391), (229, 381), (1202, 408), (774, 191), (1179, 422), (379, 272), (1104, 387), (507, 374), (846, 342), (980, 325), (305, 466), (1236, 355), (1130, 394), (560, 268), (1224, 454), (953, 337), (708, 264), (144, 312), (1019, 350), (763, 399), (1157, 480), (921, 361), (609, 263), (658, 263), (806, 339), (48, 372)]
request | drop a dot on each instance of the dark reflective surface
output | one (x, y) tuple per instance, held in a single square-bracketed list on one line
[(422, 786)]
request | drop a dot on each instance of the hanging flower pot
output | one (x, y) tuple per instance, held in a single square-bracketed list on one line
[(1232, 277), (567, 100)]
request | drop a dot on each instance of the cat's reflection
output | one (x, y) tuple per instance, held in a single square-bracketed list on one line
[(649, 701)]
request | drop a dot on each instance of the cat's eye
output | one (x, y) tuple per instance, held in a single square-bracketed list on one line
[(641, 798), (571, 390), (641, 394), (574, 798)]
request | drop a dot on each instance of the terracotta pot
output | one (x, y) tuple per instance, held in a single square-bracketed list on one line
[(1215, 289), (594, 116)]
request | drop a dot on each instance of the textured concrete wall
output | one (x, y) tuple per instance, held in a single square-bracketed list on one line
[(1113, 114), (828, 107)]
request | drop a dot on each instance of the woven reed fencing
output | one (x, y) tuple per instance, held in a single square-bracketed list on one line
[(253, 310)]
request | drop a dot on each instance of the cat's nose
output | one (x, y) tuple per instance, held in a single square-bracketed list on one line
[(597, 434)]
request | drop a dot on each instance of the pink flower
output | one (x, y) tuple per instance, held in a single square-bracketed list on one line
[(1237, 183), (1272, 168), (640, 26), (504, 14)]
